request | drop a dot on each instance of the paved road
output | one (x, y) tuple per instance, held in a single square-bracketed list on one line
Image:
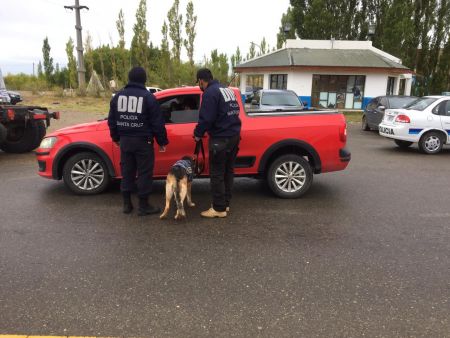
[(365, 253)]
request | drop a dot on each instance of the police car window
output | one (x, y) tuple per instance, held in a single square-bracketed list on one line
[(180, 108), (383, 102), (372, 104), (447, 108)]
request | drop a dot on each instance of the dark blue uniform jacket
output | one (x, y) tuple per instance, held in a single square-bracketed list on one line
[(135, 112), (219, 112)]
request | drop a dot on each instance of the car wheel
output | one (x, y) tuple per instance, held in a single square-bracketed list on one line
[(431, 143), (403, 144), (289, 176), (364, 124), (86, 174)]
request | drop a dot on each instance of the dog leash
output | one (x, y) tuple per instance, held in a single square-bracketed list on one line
[(199, 149)]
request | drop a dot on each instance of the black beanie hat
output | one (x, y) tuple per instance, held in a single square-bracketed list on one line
[(137, 74)]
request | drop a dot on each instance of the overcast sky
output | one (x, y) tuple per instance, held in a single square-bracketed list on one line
[(221, 24)]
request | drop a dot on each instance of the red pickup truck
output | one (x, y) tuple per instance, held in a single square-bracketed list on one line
[(284, 147)]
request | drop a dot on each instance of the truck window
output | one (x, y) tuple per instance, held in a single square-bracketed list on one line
[(180, 108)]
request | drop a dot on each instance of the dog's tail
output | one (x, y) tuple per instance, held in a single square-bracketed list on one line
[(177, 172)]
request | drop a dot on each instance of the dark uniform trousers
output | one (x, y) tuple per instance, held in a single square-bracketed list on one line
[(136, 156), (222, 157)]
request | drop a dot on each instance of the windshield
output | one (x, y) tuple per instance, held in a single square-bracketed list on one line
[(420, 104), (400, 102), (280, 99)]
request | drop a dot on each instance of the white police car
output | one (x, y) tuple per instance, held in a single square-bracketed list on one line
[(425, 121)]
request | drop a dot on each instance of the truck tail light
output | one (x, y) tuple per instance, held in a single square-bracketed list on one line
[(57, 115), (343, 133), (402, 119), (11, 114)]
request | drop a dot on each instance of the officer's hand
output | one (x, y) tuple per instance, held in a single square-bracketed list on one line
[(162, 149), (197, 139), (117, 143)]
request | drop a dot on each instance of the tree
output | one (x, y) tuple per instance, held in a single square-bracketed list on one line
[(120, 24), (236, 58), (40, 73), (88, 51), (218, 64), (191, 21), (48, 60), (286, 19), (71, 64), (252, 52), (139, 44), (165, 64), (263, 47), (122, 59), (175, 22)]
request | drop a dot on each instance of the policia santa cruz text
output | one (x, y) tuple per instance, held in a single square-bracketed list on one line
[(134, 120)]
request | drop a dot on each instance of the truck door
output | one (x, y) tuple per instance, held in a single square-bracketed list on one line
[(180, 112)]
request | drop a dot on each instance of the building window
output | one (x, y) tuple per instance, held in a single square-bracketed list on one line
[(338, 91), (255, 81), (278, 81)]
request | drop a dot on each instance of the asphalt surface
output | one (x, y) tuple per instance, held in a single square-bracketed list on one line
[(365, 253)]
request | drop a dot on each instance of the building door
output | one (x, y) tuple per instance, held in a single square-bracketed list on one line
[(390, 86), (402, 86)]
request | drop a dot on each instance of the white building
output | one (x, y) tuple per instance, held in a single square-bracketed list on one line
[(329, 73)]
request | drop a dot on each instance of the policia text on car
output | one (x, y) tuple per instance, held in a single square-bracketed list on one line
[(134, 120)]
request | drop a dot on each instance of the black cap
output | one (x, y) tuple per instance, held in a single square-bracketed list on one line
[(137, 74), (204, 74)]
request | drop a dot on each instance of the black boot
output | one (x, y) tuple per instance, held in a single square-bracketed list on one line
[(145, 208), (127, 205)]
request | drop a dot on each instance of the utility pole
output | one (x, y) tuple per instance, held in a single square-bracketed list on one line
[(81, 69)]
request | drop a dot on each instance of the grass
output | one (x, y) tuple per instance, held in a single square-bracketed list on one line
[(353, 116), (67, 103)]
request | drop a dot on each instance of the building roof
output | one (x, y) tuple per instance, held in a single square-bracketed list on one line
[(307, 57)]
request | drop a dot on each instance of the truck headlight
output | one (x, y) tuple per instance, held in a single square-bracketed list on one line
[(48, 142)]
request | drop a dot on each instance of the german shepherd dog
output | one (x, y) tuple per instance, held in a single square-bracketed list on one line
[(178, 185)]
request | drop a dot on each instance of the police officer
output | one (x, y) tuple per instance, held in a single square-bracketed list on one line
[(134, 120), (219, 117)]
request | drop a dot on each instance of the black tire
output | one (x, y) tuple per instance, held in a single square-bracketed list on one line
[(21, 138), (294, 186), (431, 143), (40, 125), (79, 176), (403, 144), (364, 124), (3, 133)]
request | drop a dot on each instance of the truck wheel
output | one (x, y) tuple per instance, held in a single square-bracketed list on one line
[(86, 174), (40, 125), (364, 124), (431, 143), (20, 138), (3, 133), (403, 144), (289, 176)]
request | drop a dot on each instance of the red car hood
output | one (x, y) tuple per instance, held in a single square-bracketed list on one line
[(81, 128)]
